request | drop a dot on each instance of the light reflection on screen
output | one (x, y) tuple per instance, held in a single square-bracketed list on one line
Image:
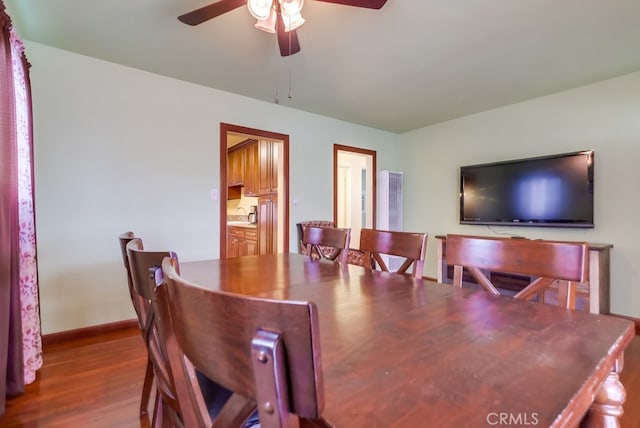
[(540, 197)]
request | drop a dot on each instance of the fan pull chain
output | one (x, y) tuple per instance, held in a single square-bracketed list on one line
[(289, 64), (277, 99), (290, 90)]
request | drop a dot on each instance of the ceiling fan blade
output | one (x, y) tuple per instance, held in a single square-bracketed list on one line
[(369, 4), (287, 41), (208, 12)]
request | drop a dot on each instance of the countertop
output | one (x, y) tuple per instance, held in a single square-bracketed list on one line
[(242, 224)]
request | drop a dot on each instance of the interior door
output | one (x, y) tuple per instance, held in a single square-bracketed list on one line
[(354, 190)]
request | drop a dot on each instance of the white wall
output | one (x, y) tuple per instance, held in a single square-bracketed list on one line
[(120, 149), (604, 116)]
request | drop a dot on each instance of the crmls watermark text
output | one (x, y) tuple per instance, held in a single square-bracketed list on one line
[(506, 419)]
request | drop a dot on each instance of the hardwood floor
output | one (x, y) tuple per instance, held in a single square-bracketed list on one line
[(97, 381), (85, 382)]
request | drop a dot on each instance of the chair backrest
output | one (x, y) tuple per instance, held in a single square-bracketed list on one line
[(316, 237), (303, 224), (410, 246), (263, 351), (147, 385), (140, 262), (548, 261), (124, 239)]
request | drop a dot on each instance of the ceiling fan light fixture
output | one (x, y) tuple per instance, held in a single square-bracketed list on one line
[(269, 24), (291, 8), (259, 9), (292, 22)]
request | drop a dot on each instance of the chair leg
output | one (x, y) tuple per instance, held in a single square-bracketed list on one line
[(164, 416), (146, 389), (158, 412)]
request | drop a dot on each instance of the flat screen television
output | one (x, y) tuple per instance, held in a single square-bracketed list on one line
[(554, 190)]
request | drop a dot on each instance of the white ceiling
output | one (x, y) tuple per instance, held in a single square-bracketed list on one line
[(408, 65)]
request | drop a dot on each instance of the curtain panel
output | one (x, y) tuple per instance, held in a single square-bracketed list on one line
[(20, 341)]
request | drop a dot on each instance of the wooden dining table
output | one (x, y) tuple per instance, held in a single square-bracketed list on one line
[(403, 352)]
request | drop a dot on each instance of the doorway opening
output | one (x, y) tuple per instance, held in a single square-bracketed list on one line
[(270, 189), (354, 189)]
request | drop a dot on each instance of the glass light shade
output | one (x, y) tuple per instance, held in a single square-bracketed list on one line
[(291, 8), (260, 9), (269, 24), (292, 22)]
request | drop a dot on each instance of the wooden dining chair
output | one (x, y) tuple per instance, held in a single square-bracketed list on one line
[(410, 246), (312, 223), (166, 409), (546, 261), (147, 384), (266, 352), (317, 239), (355, 256)]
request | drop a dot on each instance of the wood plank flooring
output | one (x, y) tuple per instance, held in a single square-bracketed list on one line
[(96, 383), (92, 382)]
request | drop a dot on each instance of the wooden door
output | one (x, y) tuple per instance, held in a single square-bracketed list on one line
[(236, 167), (268, 175), (251, 242), (252, 248), (268, 224), (235, 243), (251, 169)]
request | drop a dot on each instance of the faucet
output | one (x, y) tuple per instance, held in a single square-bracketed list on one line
[(243, 211)]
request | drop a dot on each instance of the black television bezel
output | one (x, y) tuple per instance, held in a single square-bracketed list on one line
[(580, 225)]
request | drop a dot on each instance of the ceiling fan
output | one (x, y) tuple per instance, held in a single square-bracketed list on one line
[(274, 16)]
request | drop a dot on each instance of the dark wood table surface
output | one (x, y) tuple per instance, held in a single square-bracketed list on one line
[(404, 352)]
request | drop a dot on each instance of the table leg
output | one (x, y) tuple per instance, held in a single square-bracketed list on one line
[(608, 400)]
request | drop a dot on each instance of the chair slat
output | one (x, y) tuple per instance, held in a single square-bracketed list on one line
[(411, 246), (318, 241)]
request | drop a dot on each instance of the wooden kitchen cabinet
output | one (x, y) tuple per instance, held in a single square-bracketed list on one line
[(242, 241), (251, 169), (268, 170), (251, 241), (268, 224), (235, 167), (235, 241)]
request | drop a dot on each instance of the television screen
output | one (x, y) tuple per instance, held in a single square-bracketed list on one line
[(552, 190)]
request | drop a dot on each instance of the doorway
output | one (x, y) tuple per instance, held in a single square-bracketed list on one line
[(354, 189), (234, 134)]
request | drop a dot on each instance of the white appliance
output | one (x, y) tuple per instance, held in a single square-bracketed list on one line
[(391, 205)]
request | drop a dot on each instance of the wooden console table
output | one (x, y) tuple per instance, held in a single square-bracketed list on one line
[(596, 289)]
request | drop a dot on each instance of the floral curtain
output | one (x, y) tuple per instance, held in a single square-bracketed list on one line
[(30, 307), (20, 340)]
